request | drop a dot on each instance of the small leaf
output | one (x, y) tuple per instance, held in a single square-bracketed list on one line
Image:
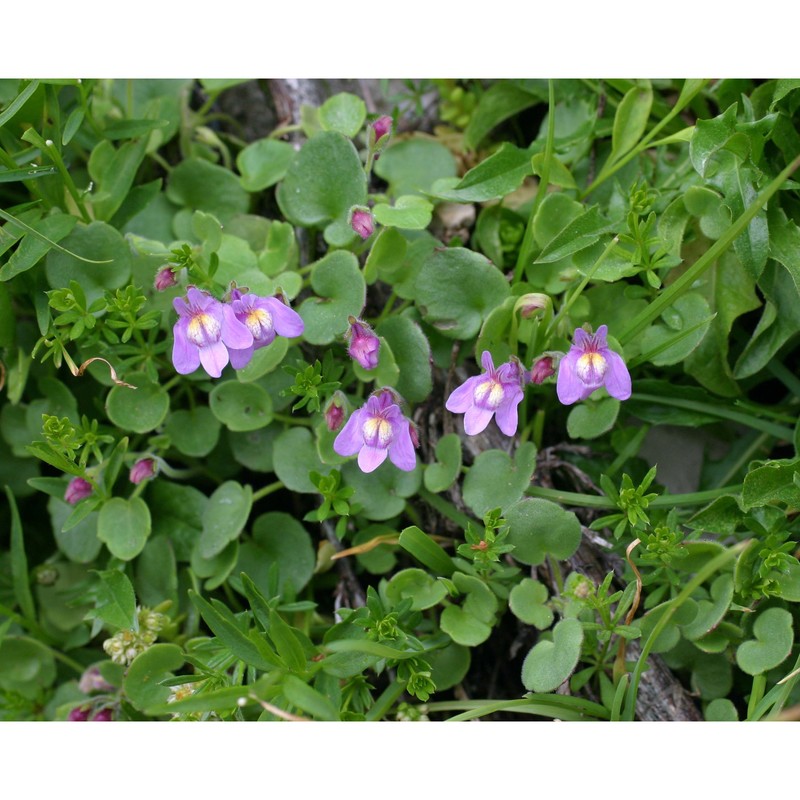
[(124, 526), (344, 112), (549, 664), (630, 121), (774, 635), (224, 518), (441, 475), (116, 602)]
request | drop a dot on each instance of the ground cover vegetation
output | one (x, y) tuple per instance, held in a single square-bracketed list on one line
[(475, 400)]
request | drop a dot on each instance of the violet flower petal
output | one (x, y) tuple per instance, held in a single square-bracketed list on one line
[(401, 450), (618, 379), (370, 458), (506, 415), (185, 355), (214, 358), (350, 439), (241, 358), (569, 387), (287, 321), (463, 397), (234, 334), (476, 419)]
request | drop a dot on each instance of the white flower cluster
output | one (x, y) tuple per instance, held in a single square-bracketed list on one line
[(125, 645)]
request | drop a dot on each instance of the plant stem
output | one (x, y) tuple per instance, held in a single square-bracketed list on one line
[(387, 698), (601, 501), (448, 510), (267, 490)]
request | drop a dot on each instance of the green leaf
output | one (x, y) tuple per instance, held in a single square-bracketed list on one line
[(80, 543), (494, 481), (770, 483), (382, 494), (340, 293), (280, 542), (114, 173), (263, 163), (124, 526), (294, 457), (495, 177), (99, 242), (224, 518), (709, 140), (415, 584), (264, 360), (426, 551), (499, 102), (194, 432), (307, 699), (325, 179), (16, 104), (774, 636), (464, 628), (630, 121), (241, 406), (527, 602), (549, 664), (457, 289), (710, 612), (592, 418), (286, 642), (252, 650), (412, 166), (580, 233), (386, 256), (409, 211), (139, 410), (199, 185), (344, 113), (19, 562), (31, 249), (441, 475), (412, 355), (143, 683), (689, 312), (558, 175), (116, 602), (539, 527)]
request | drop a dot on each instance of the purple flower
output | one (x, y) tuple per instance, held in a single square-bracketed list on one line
[(165, 278), (361, 222), (103, 715), (588, 365), (203, 333), (364, 344), (542, 369), (497, 392), (334, 413), (78, 714), (77, 490), (143, 469), (376, 430), (264, 317)]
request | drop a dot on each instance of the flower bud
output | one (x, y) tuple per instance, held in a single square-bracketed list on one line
[(380, 128), (361, 222), (334, 413), (79, 714), (542, 369), (143, 469), (364, 344), (93, 681), (165, 278), (77, 490), (103, 715), (532, 303)]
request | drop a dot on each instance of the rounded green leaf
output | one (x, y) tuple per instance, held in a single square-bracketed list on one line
[(26, 666), (685, 323), (592, 418), (202, 186), (124, 526), (382, 493), (412, 166), (253, 449), (412, 354), (325, 179), (422, 588), (143, 684), (99, 242), (344, 112), (409, 211), (194, 432), (527, 603), (710, 612), (386, 256), (80, 542), (441, 475), (280, 542), (538, 527), (241, 406), (294, 456), (549, 664), (139, 410), (264, 360), (340, 292), (457, 289), (225, 517), (721, 710), (774, 636), (464, 628), (217, 568), (494, 481), (387, 371), (263, 163), (449, 665)]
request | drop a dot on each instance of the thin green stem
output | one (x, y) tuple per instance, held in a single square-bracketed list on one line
[(290, 420), (385, 701), (526, 250), (448, 510), (785, 376), (744, 459), (267, 490), (52, 151), (756, 694), (540, 704), (601, 501)]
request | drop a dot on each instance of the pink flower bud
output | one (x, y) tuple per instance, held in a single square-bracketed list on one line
[(103, 715), (364, 344), (77, 490), (93, 681), (542, 369), (79, 714), (143, 469), (361, 222), (165, 278), (532, 303), (334, 413), (381, 127)]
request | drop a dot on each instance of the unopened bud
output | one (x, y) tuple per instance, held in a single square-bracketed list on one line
[(93, 681), (334, 413), (77, 490), (361, 222), (530, 304), (380, 128), (143, 469), (364, 344), (542, 369), (165, 278)]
